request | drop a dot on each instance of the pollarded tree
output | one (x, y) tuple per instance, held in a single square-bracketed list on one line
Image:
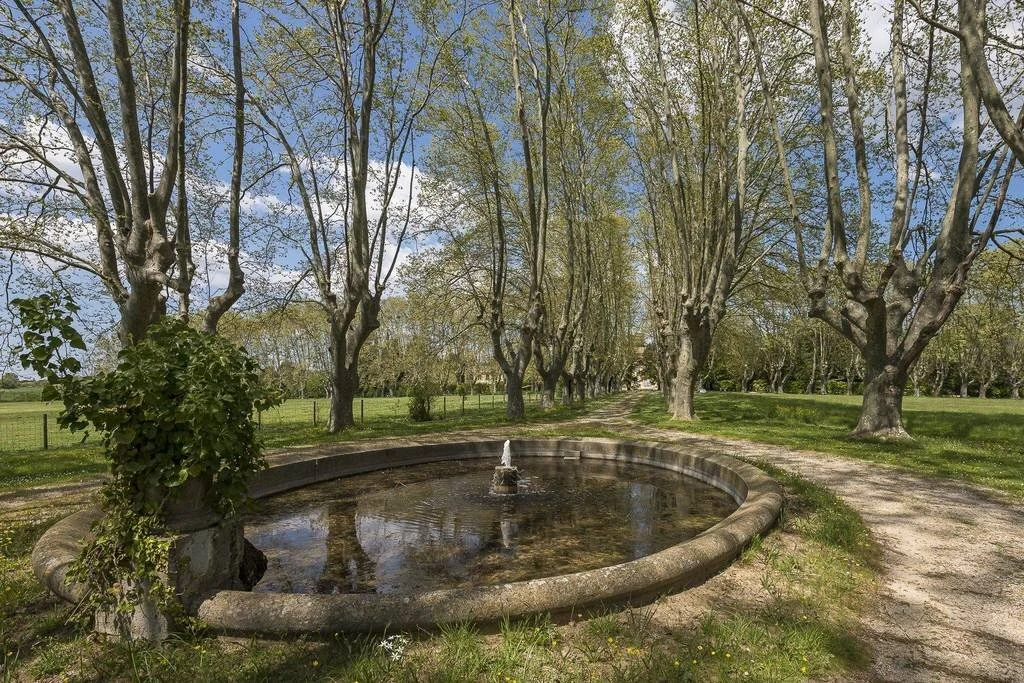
[(707, 167), (584, 184), (900, 280), (736, 346), (95, 115), (987, 321), (492, 167), (289, 342), (338, 93), (609, 347)]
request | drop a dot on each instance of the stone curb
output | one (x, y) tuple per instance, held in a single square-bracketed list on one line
[(680, 566)]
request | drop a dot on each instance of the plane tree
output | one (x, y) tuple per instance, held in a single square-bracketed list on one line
[(96, 121), (911, 201), (338, 94), (708, 170)]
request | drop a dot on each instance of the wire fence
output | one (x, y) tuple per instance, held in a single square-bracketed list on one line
[(33, 426), (36, 431)]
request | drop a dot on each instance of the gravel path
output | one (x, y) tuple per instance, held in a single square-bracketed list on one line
[(952, 599)]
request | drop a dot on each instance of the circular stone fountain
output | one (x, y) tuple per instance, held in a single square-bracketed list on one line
[(366, 542)]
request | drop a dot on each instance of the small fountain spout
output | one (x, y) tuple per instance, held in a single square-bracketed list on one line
[(506, 476)]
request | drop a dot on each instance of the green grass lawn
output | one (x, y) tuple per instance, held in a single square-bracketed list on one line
[(976, 440), (24, 463)]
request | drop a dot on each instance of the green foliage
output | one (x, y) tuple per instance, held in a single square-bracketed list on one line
[(124, 564), (47, 320), (178, 407), (419, 402), (836, 387), (9, 381)]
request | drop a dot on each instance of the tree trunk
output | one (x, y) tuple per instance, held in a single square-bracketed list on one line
[(144, 306), (881, 413), (567, 385), (983, 390), (547, 395), (784, 380), (1015, 391), (693, 352), (580, 385), (515, 408), (745, 381), (964, 386), (344, 384), (809, 389)]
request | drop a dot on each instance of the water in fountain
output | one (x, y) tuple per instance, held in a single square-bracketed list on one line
[(436, 526)]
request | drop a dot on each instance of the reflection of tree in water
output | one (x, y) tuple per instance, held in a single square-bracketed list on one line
[(436, 526), (296, 548), (347, 562)]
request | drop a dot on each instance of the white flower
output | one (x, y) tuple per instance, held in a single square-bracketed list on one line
[(394, 646)]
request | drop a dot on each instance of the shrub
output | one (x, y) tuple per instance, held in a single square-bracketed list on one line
[(728, 385), (419, 402), (836, 386)]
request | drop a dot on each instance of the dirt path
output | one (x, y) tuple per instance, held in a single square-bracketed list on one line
[(952, 603)]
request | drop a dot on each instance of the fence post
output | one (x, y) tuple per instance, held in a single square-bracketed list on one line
[(314, 413), (362, 415), (463, 405), (46, 432), (444, 407)]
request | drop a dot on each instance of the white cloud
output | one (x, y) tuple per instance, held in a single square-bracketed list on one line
[(877, 26)]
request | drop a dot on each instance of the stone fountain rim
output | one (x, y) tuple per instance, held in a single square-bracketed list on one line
[(680, 566)]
